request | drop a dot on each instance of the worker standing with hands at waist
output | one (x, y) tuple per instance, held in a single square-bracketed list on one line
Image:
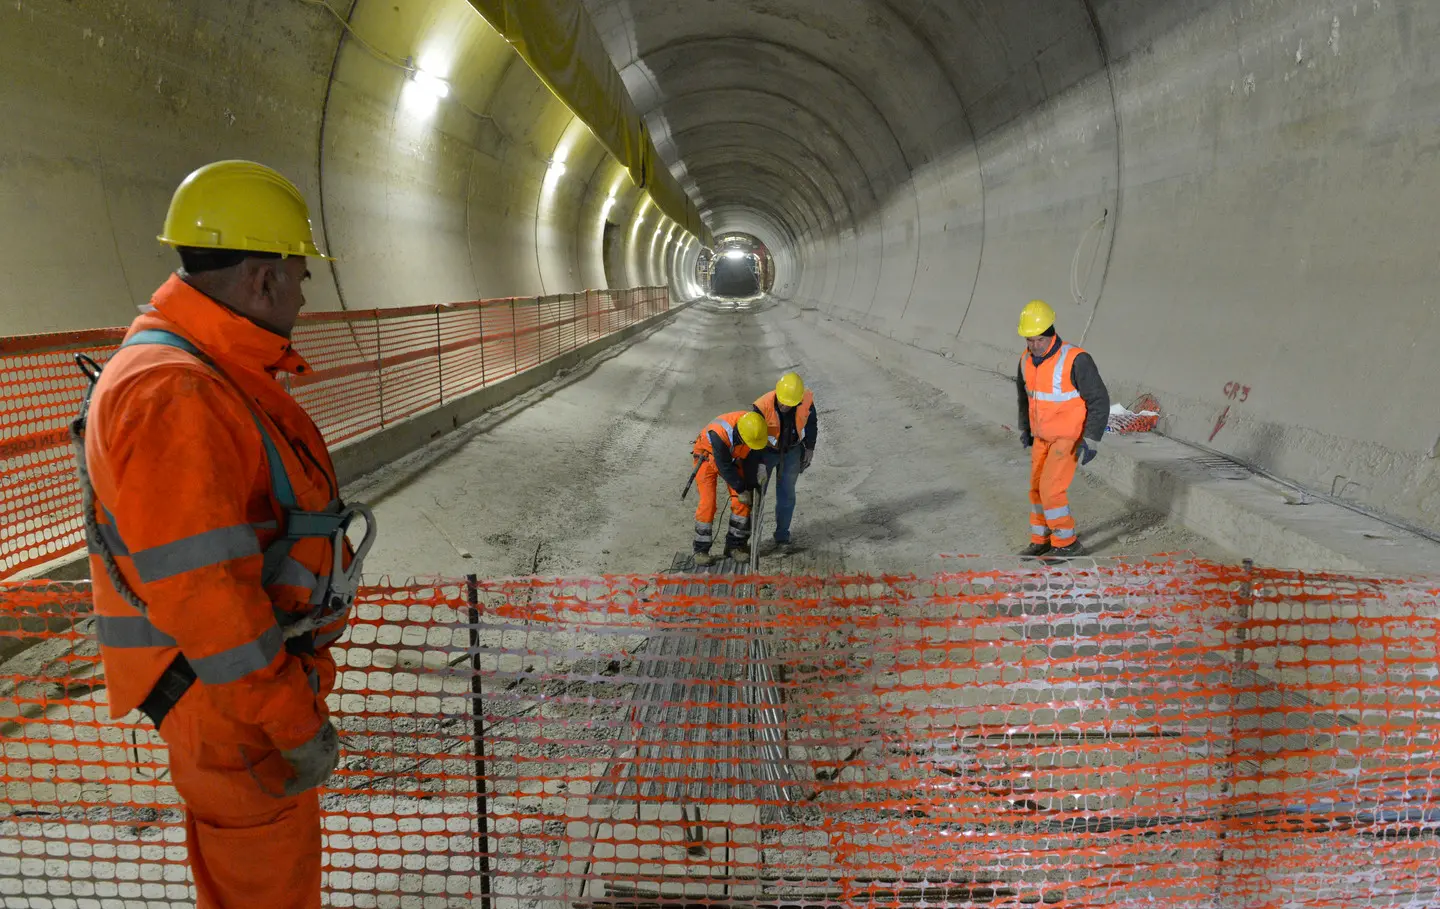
[(222, 572), (729, 449), (793, 429), (1064, 407)]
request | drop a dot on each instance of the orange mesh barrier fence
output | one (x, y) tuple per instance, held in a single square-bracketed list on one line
[(1143, 415), (372, 368), (1117, 734)]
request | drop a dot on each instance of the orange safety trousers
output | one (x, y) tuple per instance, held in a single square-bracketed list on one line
[(249, 843), (1052, 467), (707, 480)]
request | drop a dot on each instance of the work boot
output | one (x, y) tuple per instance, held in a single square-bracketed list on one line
[(740, 552), (1073, 551), (777, 545), (704, 560), (1035, 550)]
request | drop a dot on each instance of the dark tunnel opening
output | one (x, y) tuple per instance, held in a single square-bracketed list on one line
[(735, 277)]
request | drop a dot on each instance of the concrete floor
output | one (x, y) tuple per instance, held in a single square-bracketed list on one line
[(583, 475)]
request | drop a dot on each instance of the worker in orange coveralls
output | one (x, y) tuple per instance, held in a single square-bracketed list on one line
[(1064, 407), (727, 449), (222, 572)]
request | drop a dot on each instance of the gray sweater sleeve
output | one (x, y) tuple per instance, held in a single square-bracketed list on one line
[(1024, 418), (725, 462), (1092, 390)]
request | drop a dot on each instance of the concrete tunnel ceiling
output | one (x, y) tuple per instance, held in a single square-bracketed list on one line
[(1195, 185), (807, 111)]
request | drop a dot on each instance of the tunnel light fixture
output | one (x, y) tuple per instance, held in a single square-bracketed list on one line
[(431, 84), (557, 162), (736, 254)]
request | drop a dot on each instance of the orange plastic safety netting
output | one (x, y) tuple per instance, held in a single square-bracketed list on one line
[(372, 368), (1118, 734)]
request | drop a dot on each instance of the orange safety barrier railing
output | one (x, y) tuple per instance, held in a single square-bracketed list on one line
[(1146, 734), (372, 368)]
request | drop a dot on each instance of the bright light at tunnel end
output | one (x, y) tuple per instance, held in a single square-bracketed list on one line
[(736, 254)]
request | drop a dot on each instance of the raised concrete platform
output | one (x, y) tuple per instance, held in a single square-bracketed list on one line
[(1275, 524)]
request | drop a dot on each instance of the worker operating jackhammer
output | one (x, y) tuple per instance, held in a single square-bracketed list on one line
[(793, 430), (222, 573), (728, 449), (1063, 410)]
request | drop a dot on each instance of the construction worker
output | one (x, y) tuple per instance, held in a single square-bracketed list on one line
[(222, 573), (1063, 410), (793, 429), (729, 448)]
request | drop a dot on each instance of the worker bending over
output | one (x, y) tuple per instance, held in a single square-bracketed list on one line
[(792, 427), (730, 449), (221, 570), (1063, 410)]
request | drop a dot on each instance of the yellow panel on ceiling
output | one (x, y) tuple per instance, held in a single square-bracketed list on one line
[(558, 41)]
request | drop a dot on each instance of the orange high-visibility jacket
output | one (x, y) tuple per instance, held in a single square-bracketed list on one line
[(768, 408), (731, 451), (726, 427), (184, 500), (1057, 411)]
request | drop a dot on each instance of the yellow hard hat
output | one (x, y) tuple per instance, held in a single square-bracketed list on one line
[(240, 205), (789, 390), (1035, 318), (753, 431)]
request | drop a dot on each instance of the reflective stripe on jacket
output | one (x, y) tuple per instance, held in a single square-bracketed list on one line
[(767, 407), (185, 502), (721, 441), (1057, 410)]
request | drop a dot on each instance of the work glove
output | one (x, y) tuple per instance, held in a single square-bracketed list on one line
[(806, 458), (1088, 450), (314, 761), (1026, 440)]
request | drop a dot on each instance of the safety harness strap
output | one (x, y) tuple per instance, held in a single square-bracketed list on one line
[(171, 686), (280, 485), (294, 633)]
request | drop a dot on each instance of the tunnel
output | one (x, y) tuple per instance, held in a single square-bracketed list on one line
[(735, 276), (571, 238), (1195, 185)]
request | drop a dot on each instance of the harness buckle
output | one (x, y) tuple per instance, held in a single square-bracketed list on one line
[(344, 583)]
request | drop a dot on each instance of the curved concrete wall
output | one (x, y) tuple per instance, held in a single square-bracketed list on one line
[(1231, 202), (107, 106)]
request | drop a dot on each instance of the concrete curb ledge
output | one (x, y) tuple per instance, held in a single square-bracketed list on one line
[(366, 454), (1257, 517), (1251, 515)]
